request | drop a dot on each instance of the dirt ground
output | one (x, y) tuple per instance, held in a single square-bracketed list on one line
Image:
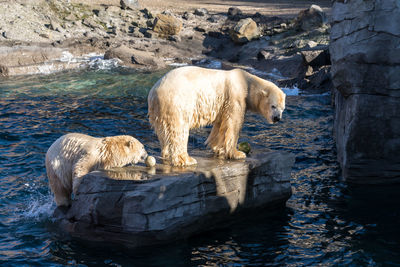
[(286, 8)]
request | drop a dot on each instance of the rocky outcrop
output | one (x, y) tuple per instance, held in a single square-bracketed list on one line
[(365, 54), (167, 25), (244, 31), (139, 206), (134, 58), (20, 60)]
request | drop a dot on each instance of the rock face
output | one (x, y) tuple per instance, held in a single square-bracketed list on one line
[(142, 206), (365, 54), (244, 31), (167, 25)]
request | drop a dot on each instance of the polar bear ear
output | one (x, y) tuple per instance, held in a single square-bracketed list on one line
[(265, 93), (130, 143)]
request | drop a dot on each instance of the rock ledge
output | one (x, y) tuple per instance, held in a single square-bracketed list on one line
[(139, 206)]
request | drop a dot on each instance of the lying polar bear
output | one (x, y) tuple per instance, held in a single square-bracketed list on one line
[(192, 97), (73, 155)]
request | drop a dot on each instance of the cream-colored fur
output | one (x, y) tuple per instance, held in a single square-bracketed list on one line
[(192, 97), (73, 155)]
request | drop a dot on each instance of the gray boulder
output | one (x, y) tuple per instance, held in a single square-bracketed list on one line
[(200, 12), (129, 4), (244, 31), (139, 206), (234, 13), (365, 55), (310, 18)]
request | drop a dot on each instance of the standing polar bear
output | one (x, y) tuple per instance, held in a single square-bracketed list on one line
[(192, 97), (73, 155)]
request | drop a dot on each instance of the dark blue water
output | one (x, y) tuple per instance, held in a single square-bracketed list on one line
[(325, 222)]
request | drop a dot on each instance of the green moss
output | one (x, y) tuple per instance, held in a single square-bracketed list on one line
[(102, 24)]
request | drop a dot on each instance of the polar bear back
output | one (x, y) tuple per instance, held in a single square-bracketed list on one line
[(67, 150), (196, 94)]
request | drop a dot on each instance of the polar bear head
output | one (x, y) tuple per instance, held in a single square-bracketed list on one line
[(122, 150), (269, 100), (264, 97), (272, 103)]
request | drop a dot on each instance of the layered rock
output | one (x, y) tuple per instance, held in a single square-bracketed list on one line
[(140, 206), (365, 54)]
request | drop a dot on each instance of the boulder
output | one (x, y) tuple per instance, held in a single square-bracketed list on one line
[(187, 16), (365, 55), (3, 71), (316, 58), (147, 13), (234, 13), (310, 18), (200, 12), (140, 206), (129, 4), (134, 58), (244, 31), (166, 25)]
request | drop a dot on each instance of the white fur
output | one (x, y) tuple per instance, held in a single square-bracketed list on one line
[(192, 97), (73, 155)]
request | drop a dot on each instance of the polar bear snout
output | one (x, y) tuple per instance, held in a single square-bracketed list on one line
[(143, 156), (276, 115)]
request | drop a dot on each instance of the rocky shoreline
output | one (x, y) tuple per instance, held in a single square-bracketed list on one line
[(50, 36)]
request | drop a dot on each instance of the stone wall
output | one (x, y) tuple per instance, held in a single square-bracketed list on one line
[(365, 55)]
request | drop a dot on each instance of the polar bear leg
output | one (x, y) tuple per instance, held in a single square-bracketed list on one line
[(79, 170), (174, 145), (225, 134), (230, 143), (62, 195), (214, 139)]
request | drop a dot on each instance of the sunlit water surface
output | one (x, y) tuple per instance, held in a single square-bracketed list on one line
[(325, 222)]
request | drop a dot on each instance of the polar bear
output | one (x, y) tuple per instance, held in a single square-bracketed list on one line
[(73, 155), (191, 97)]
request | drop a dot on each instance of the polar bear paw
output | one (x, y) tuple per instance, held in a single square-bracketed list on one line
[(238, 155), (183, 160)]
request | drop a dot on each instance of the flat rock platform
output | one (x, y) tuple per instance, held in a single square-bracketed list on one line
[(141, 206)]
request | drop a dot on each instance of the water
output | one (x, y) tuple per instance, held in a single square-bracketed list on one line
[(325, 222)]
